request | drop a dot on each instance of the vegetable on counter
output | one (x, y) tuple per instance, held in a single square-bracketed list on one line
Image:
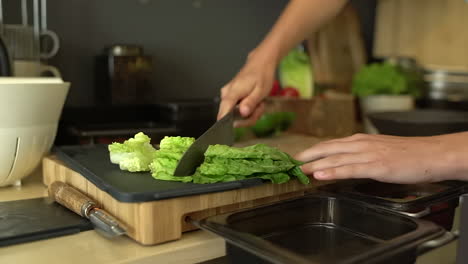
[(295, 70), (270, 123), (276, 89), (222, 163), (289, 92)]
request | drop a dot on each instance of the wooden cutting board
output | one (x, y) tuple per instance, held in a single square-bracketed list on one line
[(155, 222)]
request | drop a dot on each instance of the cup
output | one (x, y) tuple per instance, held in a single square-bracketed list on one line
[(24, 68)]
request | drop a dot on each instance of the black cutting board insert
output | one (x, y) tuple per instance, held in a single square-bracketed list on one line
[(94, 164), (34, 219)]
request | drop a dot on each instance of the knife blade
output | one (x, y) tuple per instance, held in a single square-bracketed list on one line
[(222, 132)]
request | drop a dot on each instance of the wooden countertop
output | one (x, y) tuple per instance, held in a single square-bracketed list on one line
[(90, 247)]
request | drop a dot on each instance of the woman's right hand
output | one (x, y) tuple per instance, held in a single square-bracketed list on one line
[(248, 89)]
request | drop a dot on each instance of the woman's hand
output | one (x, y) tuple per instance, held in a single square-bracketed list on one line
[(248, 88), (299, 20), (389, 158)]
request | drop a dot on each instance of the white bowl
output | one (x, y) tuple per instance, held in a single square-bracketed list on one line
[(30, 109)]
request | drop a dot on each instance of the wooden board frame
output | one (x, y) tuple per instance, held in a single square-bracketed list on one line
[(156, 222)]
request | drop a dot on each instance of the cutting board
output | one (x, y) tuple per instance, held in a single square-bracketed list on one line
[(92, 162), (163, 218)]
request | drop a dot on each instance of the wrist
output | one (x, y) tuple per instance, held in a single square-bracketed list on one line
[(454, 157), (459, 161), (264, 55)]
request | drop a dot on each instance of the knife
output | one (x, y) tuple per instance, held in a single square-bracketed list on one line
[(222, 132), (79, 203)]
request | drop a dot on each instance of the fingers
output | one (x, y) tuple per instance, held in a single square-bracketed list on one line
[(230, 95), (353, 171), (250, 121), (326, 149), (225, 106), (250, 97), (355, 137), (336, 161), (234, 92), (250, 103), (227, 102)]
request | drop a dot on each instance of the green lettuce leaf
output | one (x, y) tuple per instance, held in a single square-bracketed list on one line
[(258, 151), (220, 166), (222, 163), (171, 150), (296, 171), (177, 144), (277, 178), (135, 154)]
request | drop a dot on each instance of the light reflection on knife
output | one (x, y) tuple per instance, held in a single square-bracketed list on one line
[(222, 132)]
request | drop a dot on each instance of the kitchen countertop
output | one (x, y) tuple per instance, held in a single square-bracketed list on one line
[(90, 247), (193, 247)]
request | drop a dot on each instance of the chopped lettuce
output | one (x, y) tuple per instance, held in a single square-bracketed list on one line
[(135, 154), (171, 150), (222, 163), (220, 166), (258, 151)]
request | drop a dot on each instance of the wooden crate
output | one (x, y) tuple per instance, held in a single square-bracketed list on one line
[(333, 115)]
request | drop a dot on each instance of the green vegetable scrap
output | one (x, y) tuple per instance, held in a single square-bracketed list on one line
[(135, 154), (222, 163)]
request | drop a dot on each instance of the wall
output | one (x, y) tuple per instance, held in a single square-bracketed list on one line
[(197, 45)]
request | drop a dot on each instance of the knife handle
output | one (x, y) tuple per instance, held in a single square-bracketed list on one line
[(71, 198)]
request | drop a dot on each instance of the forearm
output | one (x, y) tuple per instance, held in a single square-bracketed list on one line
[(454, 156), (299, 19)]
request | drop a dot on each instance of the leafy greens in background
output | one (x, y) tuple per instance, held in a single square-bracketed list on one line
[(384, 78), (222, 163), (295, 71)]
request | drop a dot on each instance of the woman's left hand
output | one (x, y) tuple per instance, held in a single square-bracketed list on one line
[(389, 158)]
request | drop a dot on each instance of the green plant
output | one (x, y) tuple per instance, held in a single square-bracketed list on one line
[(384, 78)]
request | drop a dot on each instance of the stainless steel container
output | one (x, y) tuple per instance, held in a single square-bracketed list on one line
[(323, 229), (444, 89), (446, 85)]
